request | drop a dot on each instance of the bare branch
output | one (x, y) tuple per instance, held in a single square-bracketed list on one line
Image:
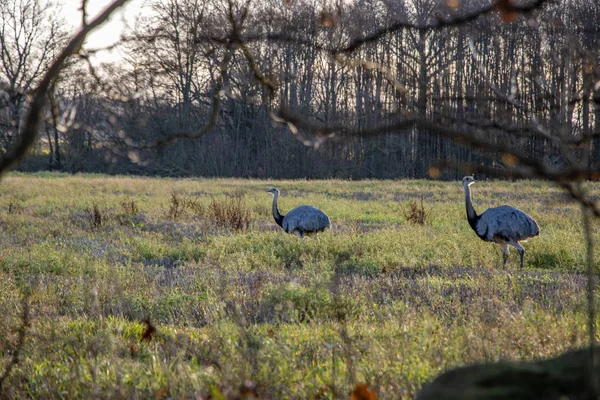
[(29, 134), (214, 115), (440, 23)]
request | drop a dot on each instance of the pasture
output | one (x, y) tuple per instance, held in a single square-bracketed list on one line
[(163, 288)]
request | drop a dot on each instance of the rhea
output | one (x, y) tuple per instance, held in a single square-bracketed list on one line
[(504, 225), (301, 220)]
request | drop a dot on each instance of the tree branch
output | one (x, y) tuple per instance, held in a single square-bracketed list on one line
[(29, 134)]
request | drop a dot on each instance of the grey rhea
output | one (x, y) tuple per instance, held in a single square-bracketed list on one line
[(504, 225), (301, 220)]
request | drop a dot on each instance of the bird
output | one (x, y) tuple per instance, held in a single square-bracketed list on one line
[(503, 225), (301, 220)]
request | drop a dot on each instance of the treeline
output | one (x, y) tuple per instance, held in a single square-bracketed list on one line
[(530, 80)]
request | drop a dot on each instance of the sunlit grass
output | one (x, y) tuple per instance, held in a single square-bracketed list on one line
[(376, 300)]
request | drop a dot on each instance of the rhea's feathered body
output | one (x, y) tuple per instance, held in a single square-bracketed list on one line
[(504, 225), (301, 220)]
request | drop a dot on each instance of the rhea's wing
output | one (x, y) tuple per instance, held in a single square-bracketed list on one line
[(506, 223), (306, 219)]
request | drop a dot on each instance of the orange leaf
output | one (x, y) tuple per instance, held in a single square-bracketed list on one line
[(149, 332), (434, 172), (362, 392), (453, 3), (161, 394), (506, 9), (326, 20), (510, 159)]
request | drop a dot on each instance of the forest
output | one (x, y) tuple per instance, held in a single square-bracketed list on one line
[(526, 80)]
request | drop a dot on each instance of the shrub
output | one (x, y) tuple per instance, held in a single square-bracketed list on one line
[(130, 207), (231, 213), (130, 214), (15, 207), (177, 206), (96, 218), (196, 207), (416, 213)]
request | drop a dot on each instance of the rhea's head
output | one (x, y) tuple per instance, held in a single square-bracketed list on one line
[(273, 191), (468, 181)]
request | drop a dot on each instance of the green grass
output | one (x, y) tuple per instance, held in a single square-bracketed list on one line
[(377, 300)]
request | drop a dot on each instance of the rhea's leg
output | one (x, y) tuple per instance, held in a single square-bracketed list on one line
[(504, 248), (521, 249)]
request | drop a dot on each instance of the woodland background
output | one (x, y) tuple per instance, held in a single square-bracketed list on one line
[(522, 84)]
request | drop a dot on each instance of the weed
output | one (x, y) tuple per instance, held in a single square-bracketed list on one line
[(18, 349), (231, 213), (196, 207), (177, 206), (15, 207), (416, 213), (96, 218), (129, 215), (130, 207)]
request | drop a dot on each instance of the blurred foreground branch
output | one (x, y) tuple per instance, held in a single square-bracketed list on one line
[(28, 135), (21, 335)]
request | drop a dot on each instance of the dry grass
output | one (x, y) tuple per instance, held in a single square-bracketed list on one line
[(231, 213), (214, 299), (177, 206), (96, 218), (15, 207), (416, 213), (130, 207)]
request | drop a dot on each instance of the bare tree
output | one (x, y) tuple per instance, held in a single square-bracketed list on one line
[(31, 36)]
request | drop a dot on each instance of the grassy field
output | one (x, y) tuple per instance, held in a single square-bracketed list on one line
[(163, 288)]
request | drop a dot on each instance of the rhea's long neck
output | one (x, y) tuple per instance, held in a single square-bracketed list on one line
[(471, 214), (278, 217)]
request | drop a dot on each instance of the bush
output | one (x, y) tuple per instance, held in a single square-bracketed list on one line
[(96, 218), (15, 207), (416, 213), (177, 206), (231, 213), (130, 207)]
